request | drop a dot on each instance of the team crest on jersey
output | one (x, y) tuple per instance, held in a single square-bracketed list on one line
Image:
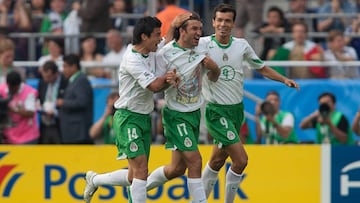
[(227, 73), (133, 147), (230, 135), (187, 142)]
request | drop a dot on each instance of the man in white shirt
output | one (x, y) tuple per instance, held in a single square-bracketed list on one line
[(181, 114), (132, 121), (116, 47), (224, 112)]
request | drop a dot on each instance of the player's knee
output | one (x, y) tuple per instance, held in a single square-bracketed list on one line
[(140, 172), (176, 172), (240, 164), (216, 164)]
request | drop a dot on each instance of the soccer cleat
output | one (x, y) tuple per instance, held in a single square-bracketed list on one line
[(90, 188)]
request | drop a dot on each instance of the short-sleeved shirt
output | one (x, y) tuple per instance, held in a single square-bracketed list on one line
[(228, 89), (136, 73), (186, 97)]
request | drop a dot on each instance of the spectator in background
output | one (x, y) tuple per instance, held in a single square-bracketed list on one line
[(353, 29), (7, 54), (301, 49), (103, 128), (76, 108), (38, 9), (168, 14), (95, 17), (22, 111), (326, 24), (53, 22), (276, 24), (9, 7), (116, 48), (55, 47), (248, 11), (273, 124), (338, 51), (51, 87), (356, 123), (332, 127), (301, 7), (121, 7), (88, 53), (21, 23)]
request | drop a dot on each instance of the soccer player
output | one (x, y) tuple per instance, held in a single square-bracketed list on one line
[(224, 111), (181, 114), (132, 121)]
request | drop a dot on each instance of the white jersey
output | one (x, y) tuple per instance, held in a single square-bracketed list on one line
[(228, 89), (136, 73), (187, 62)]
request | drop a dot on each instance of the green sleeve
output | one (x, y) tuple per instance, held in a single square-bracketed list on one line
[(45, 25)]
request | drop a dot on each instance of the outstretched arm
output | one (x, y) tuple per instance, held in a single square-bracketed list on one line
[(271, 74)]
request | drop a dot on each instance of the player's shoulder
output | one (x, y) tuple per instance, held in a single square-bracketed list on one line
[(240, 41), (205, 39)]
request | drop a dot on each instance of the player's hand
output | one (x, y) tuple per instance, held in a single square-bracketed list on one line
[(291, 83), (180, 19), (172, 78), (209, 63)]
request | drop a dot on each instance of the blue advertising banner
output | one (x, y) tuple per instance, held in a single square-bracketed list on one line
[(345, 174)]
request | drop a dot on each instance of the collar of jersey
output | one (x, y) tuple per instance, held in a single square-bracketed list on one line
[(143, 55), (221, 45), (178, 46)]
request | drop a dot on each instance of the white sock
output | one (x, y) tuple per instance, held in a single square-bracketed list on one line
[(156, 178), (196, 190), (119, 178), (232, 184), (138, 191), (209, 178)]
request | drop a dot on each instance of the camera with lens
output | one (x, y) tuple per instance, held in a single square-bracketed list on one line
[(324, 110), (267, 108)]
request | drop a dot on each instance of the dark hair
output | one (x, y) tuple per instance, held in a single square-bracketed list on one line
[(194, 16), (81, 52), (279, 11), (328, 94), (273, 92), (169, 2), (300, 23), (72, 59), (145, 25), (50, 66), (333, 34), (58, 41), (13, 79), (224, 8)]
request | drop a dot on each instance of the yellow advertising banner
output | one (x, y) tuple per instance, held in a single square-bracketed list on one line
[(42, 174)]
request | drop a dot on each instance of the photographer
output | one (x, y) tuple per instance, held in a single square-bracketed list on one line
[(331, 126), (275, 125), (22, 111), (103, 128)]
